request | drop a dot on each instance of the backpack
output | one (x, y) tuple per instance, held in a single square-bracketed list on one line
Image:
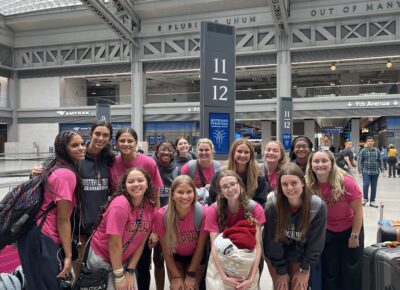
[(193, 164), (19, 208), (9, 282), (198, 216), (340, 162)]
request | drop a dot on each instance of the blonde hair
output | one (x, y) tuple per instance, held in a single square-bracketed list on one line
[(282, 161), (335, 177), (252, 169), (223, 203), (171, 222), (205, 141)]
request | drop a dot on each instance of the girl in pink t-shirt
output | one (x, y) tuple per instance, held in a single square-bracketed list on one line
[(344, 242), (232, 205), (182, 244), (125, 225), (40, 250), (274, 159)]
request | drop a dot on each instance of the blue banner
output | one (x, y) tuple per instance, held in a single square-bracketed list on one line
[(219, 132), (287, 141)]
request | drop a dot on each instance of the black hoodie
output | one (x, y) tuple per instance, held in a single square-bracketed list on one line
[(168, 174), (94, 174)]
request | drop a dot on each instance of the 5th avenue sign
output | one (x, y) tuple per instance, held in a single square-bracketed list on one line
[(373, 104)]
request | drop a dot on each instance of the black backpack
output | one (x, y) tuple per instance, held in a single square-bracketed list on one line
[(340, 160), (19, 208)]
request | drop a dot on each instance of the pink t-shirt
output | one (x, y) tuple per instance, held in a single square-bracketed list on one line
[(142, 161), (212, 218), (208, 173), (187, 235), (340, 213), (61, 186), (120, 219), (273, 180)]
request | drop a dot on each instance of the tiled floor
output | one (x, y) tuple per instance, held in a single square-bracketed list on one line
[(388, 193)]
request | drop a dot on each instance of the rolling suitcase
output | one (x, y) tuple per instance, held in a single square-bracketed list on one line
[(388, 230), (381, 267)]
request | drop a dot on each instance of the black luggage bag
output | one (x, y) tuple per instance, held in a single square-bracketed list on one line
[(381, 267)]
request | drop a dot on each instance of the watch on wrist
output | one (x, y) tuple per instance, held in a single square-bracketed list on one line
[(130, 270), (354, 236), (191, 274), (301, 270)]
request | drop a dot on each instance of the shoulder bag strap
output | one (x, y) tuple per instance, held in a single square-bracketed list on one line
[(202, 178), (138, 221)]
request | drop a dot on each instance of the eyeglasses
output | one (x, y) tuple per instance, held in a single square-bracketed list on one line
[(226, 187), (301, 147), (166, 150)]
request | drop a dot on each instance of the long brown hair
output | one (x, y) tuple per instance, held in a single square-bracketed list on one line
[(252, 169), (282, 204), (223, 203), (171, 224), (150, 196)]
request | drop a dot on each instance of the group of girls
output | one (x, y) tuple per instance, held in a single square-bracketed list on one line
[(152, 203)]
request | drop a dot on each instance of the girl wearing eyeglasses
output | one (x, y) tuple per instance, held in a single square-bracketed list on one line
[(233, 205), (294, 232), (164, 158), (300, 150)]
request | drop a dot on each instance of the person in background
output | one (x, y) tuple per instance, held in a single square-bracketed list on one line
[(294, 232), (45, 250), (128, 158), (300, 150), (392, 160), (242, 160), (369, 166), (164, 158), (232, 205), (182, 152), (344, 241), (348, 157), (182, 243), (123, 229), (274, 159), (384, 157)]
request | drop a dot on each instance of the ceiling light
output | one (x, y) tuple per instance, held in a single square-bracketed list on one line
[(333, 67), (97, 84), (389, 64)]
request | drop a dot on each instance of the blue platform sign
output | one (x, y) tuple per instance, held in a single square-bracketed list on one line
[(219, 124), (287, 141)]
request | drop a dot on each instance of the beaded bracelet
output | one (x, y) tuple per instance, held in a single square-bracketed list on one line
[(118, 271), (119, 279)]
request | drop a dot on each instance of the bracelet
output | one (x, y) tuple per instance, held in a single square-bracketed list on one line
[(130, 270), (119, 279), (354, 236), (118, 271)]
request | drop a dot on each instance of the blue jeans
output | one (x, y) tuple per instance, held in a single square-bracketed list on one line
[(367, 179)]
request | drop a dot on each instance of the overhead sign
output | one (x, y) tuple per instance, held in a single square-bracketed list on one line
[(73, 113), (217, 85), (374, 104), (219, 127), (286, 122), (103, 112)]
